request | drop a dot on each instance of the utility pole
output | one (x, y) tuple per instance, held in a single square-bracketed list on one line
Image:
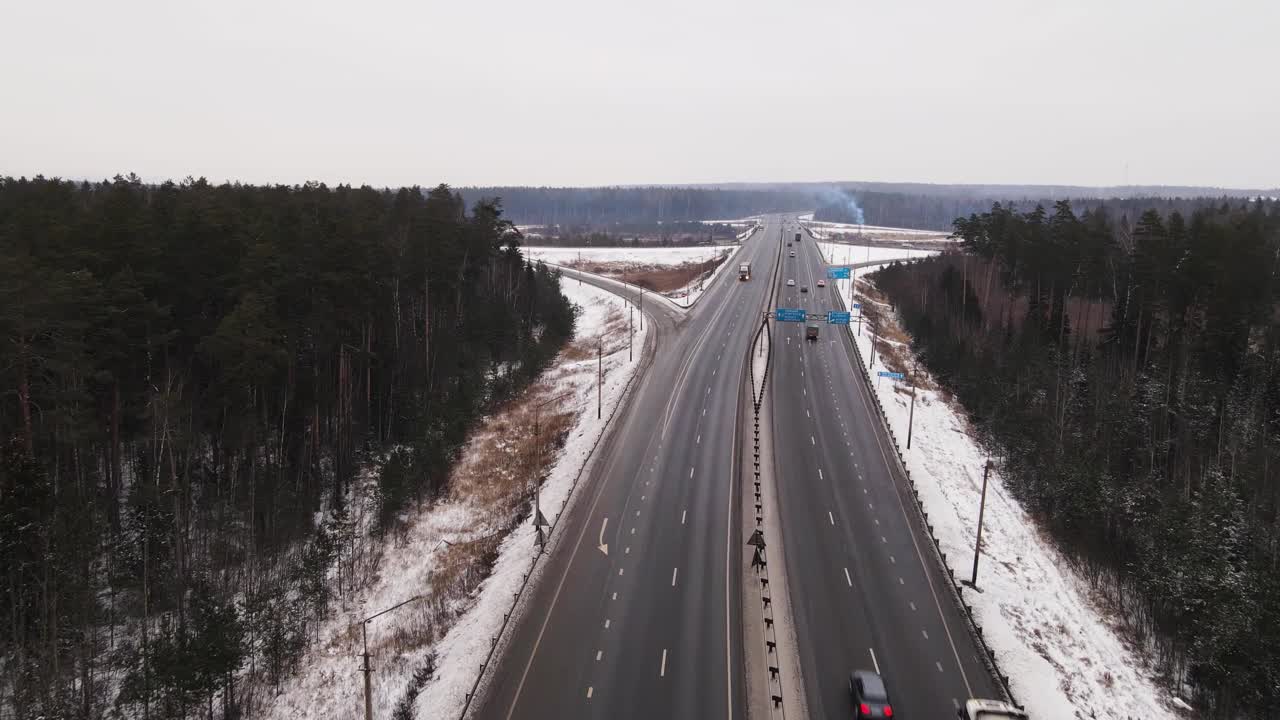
[(599, 379), (911, 416), (982, 508), (368, 698)]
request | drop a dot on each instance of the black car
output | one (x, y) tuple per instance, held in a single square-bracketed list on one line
[(804, 288), (870, 698)]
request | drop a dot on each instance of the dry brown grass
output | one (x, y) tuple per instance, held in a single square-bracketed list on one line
[(658, 278), (893, 344)]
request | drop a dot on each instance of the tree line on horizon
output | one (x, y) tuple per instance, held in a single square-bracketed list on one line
[(191, 378), (1126, 377)]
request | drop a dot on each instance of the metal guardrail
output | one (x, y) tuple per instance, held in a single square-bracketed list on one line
[(777, 709)]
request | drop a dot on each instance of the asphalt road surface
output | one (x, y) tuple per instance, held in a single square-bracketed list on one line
[(651, 629), (866, 589)]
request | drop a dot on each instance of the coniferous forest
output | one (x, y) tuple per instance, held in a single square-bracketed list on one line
[(191, 377), (1126, 377)]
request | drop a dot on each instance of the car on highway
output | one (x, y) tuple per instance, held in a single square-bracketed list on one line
[(804, 288), (822, 283), (870, 697), (791, 283), (979, 709), (793, 253), (811, 332)]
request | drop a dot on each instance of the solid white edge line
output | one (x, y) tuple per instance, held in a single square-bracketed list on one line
[(662, 671), (674, 572), (847, 578), (873, 659)]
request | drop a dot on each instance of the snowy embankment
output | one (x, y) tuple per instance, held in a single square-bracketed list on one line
[(1065, 659), (450, 631)]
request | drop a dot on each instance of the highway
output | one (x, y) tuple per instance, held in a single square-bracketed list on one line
[(867, 591), (636, 612)]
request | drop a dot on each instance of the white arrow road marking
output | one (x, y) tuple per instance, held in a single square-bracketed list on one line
[(602, 545)]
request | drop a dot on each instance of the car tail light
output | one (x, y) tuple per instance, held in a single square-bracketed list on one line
[(864, 709), (888, 711)]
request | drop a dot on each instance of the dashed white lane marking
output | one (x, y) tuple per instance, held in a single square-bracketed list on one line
[(615, 596), (619, 571), (831, 517), (704, 411), (925, 633), (637, 513), (873, 659), (606, 623), (599, 654), (708, 389), (699, 441), (913, 606), (939, 666), (674, 571), (806, 414), (847, 578), (589, 693), (900, 582), (820, 473), (682, 514), (633, 531), (877, 520), (662, 671), (956, 703), (690, 473), (627, 551), (871, 506), (892, 561), (883, 540), (812, 441), (642, 497)]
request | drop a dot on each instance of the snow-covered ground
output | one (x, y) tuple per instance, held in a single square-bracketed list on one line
[(841, 254), (329, 685), (828, 230), (1064, 657), (635, 256), (628, 259)]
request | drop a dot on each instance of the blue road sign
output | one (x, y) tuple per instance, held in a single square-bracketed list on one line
[(838, 273), (789, 315), (856, 306), (886, 373), (838, 317)]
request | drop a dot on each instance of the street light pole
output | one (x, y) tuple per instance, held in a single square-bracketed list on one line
[(599, 379), (366, 669), (982, 508)]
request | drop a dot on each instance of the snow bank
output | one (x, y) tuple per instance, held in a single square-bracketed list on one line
[(329, 685), (1064, 658)]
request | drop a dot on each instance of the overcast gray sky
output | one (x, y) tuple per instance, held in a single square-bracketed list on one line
[(587, 92)]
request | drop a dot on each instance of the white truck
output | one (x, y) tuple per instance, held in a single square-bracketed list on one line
[(979, 709), (744, 271)]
